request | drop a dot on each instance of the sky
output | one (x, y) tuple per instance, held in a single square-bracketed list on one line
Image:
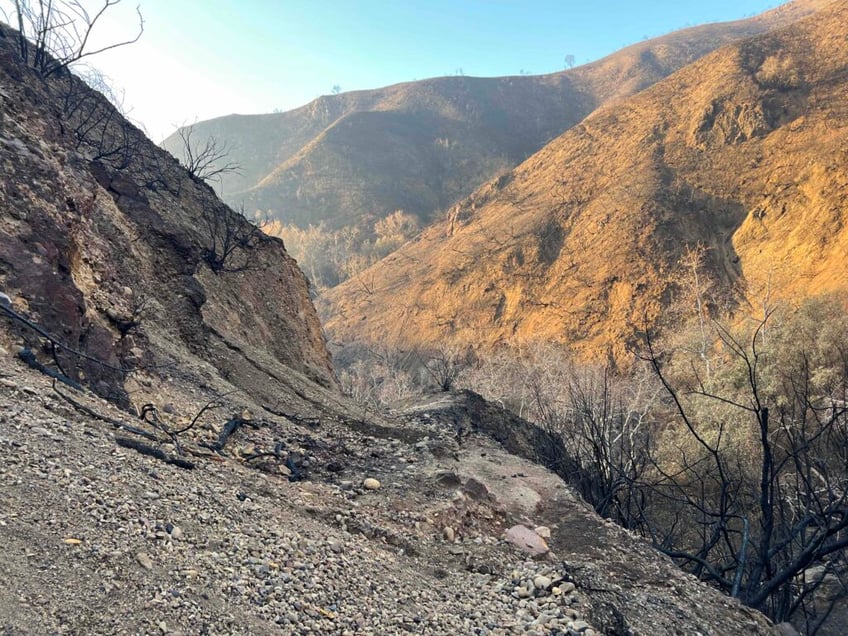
[(199, 59)]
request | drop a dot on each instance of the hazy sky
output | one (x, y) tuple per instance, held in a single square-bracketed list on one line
[(206, 58)]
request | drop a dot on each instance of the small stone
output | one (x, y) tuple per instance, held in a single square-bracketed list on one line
[(371, 484), (176, 532), (542, 582), (39, 430), (149, 494), (543, 531), (127, 290), (144, 560), (567, 587), (448, 534), (579, 626)]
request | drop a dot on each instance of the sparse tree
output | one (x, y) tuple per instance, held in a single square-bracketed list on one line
[(756, 493), (569, 61), (54, 34), (206, 160), (444, 364), (336, 89), (231, 240)]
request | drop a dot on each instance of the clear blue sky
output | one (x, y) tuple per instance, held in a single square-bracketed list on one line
[(205, 58)]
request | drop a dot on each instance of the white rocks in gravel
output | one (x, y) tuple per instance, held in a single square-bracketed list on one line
[(371, 484), (144, 560), (448, 534), (527, 540)]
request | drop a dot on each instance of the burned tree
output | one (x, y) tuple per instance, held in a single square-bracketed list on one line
[(231, 240), (758, 491), (207, 160), (55, 34)]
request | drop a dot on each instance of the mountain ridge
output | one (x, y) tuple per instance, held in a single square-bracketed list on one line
[(464, 128), (583, 241)]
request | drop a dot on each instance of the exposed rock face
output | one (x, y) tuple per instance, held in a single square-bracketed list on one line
[(105, 241), (741, 153)]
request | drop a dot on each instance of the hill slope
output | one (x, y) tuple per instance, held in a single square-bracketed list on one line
[(420, 146), (741, 152), (221, 486)]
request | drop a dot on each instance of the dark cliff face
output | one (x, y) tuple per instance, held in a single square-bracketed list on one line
[(121, 254)]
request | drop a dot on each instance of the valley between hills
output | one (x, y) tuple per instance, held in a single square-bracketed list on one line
[(558, 354)]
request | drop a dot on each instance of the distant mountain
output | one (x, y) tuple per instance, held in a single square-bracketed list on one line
[(742, 153), (421, 146)]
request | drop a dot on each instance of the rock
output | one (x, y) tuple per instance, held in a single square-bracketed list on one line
[(371, 484), (526, 540), (127, 291), (144, 560), (448, 534), (579, 626), (176, 532), (543, 531), (541, 582)]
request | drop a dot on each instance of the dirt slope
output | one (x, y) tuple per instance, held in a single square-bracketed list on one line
[(743, 152), (421, 146), (122, 543)]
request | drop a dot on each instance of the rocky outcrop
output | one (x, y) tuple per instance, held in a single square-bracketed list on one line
[(113, 248)]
